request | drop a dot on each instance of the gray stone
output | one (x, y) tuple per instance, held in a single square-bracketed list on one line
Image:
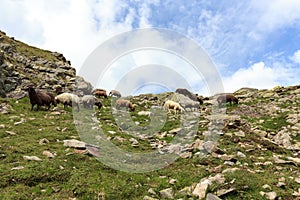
[(271, 195), (74, 143), (211, 196), (167, 193), (201, 188)]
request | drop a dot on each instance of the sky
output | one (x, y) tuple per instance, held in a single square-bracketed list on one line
[(251, 43)]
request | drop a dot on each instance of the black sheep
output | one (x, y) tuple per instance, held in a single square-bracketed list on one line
[(40, 98)]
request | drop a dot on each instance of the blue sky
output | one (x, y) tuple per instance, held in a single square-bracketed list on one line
[(252, 43)]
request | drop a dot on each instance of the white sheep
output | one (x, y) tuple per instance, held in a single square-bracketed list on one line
[(68, 99), (169, 104)]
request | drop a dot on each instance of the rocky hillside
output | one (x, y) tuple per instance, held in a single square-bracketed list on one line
[(245, 151), (256, 154), (21, 64)]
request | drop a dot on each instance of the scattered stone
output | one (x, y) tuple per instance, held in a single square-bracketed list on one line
[(201, 188), (2, 126), (230, 170), (172, 181), (239, 134), (167, 193), (43, 141), (74, 143), (151, 191), (111, 132), (17, 168), (149, 198), (296, 193), (186, 191), (271, 195), (32, 158), (134, 142), (222, 192), (10, 132), (211, 196), (240, 154), (48, 154), (267, 187), (20, 122)]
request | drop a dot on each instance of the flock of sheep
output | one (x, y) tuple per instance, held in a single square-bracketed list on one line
[(47, 99)]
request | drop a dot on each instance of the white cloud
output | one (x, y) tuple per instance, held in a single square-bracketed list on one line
[(296, 57), (261, 76), (274, 15)]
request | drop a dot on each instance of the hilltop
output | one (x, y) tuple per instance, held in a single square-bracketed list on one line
[(21, 64)]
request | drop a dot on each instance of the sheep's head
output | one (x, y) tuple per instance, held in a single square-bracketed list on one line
[(56, 100), (132, 107)]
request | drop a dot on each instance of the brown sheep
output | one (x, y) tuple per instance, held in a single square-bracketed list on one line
[(99, 93), (224, 98), (40, 99), (124, 103), (115, 93)]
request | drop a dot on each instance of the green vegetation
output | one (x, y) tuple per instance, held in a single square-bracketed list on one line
[(71, 174)]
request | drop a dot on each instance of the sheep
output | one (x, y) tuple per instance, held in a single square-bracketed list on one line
[(115, 93), (99, 92), (185, 102), (53, 101), (68, 99), (187, 93), (89, 101), (224, 98), (169, 104), (40, 98), (124, 103)]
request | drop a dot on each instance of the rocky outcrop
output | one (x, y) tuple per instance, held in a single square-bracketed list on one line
[(21, 65)]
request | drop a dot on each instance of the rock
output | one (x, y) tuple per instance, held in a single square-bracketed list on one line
[(240, 154), (296, 193), (43, 141), (17, 168), (111, 132), (211, 196), (283, 138), (167, 193), (230, 170), (172, 181), (10, 132), (218, 178), (266, 186), (48, 154), (239, 134), (149, 198), (186, 191), (222, 192), (20, 122), (151, 191), (32, 158), (74, 143), (271, 195), (201, 188), (134, 142), (175, 131), (145, 113)]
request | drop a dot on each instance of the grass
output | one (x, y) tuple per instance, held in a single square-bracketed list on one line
[(73, 175)]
